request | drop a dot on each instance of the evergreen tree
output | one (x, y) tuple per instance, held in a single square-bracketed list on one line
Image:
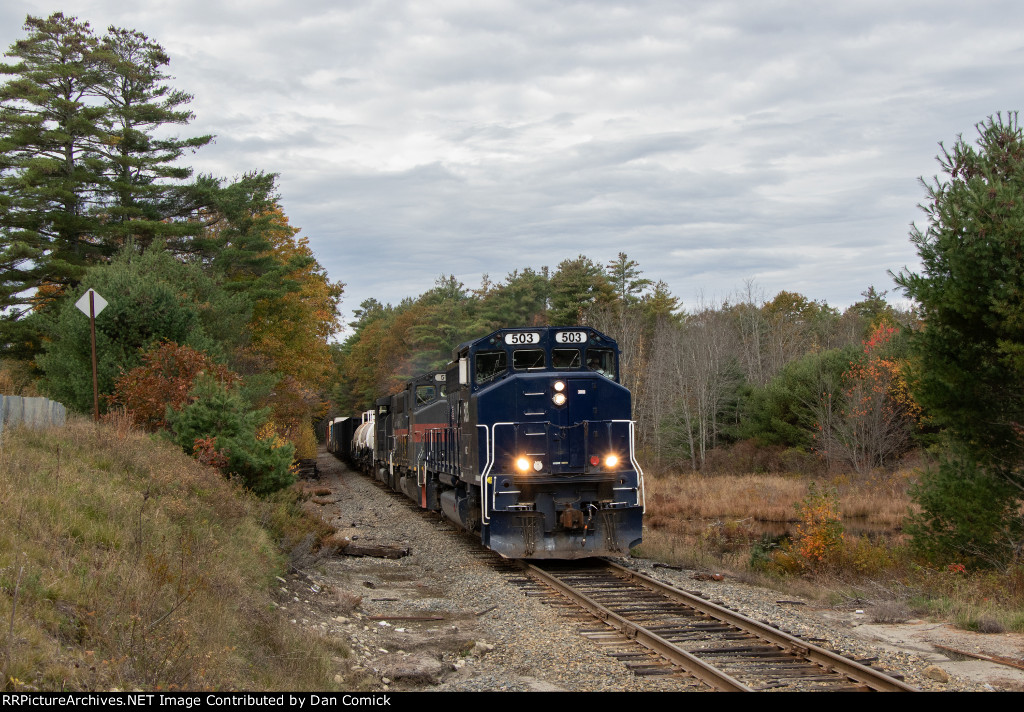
[(240, 226), (447, 316), (661, 305), (151, 297), (138, 196), (624, 275), (231, 428), (521, 300), (575, 287), (788, 410), (51, 131), (81, 171), (970, 351)]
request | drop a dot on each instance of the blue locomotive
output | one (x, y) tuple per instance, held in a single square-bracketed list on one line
[(526, 438)]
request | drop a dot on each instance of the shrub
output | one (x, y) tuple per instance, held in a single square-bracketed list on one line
[(166, 377), (819, 537), (151, 297), (890, 612), (263, 464), (868, 557)]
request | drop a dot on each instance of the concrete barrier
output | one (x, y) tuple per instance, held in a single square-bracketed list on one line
[(32, 412)]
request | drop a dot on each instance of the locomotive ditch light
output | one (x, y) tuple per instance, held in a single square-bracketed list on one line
[(522, 464), (611, 461)]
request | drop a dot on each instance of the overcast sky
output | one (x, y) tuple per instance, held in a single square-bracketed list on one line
[(714, 142)]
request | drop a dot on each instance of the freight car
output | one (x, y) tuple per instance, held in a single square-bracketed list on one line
[(526, 438)]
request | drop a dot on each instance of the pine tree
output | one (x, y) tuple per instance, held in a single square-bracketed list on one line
[(51, 133), (624, 275), (970, 351), (520, 300), (576, 286), (143, 178)]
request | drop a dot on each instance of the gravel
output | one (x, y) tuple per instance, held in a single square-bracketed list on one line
[(447, 617)]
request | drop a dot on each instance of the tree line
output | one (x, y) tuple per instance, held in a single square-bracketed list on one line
[(219, 314), (788, 373)]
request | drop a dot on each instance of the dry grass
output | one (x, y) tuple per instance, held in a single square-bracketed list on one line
[(140, 568), (723, 519), (736, 523), (988, 602), (882, 501)]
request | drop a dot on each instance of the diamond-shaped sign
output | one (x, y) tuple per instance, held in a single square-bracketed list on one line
[(98, 303)]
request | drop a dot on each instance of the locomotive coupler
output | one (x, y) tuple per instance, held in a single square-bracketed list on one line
[(571, 518)]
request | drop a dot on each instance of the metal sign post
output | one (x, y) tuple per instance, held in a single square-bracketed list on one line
[(91, 304)]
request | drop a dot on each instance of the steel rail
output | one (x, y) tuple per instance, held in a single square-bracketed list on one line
[(696, 667), (874, 679)]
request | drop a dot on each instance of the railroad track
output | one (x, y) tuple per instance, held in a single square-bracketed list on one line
[(679, 633), (720, 647)]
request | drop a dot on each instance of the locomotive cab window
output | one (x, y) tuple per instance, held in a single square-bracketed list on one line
[(490, 365), (424, 394), (562, 359), (602, 361), (528, 360)]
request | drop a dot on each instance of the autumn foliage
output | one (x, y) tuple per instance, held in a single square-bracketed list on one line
[(819, 536), (872, 420), (289, 329), (166, 376), (205, 450)]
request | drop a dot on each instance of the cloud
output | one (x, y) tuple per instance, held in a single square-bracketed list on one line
[(712, 142)]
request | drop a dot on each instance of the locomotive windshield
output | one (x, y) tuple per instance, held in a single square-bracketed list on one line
[(602, 361), (424, 394), (490, 364), (532, 351), (563, 359), (528, 360)]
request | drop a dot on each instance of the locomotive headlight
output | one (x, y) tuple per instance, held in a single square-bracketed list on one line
[(558, 398), (559, 386), (611, 461), (522, 464)]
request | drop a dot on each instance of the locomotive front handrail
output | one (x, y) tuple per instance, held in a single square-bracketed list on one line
[(641, 491), (485, 511)]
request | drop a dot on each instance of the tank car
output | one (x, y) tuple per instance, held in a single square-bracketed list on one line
[(362, 449)]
